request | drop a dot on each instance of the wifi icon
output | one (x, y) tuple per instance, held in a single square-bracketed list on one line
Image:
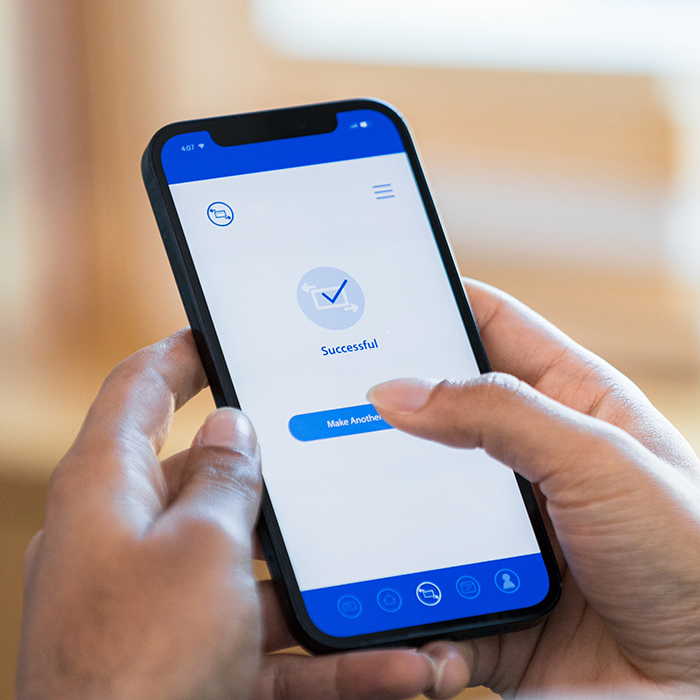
[(201, 145)]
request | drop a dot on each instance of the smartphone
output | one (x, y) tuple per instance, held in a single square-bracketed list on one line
[(312, 265)]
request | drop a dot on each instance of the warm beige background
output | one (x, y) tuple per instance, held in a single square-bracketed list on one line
[(91, 283)]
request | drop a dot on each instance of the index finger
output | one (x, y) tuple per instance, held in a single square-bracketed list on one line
[(142, 393), (112, 467), (518, 340)]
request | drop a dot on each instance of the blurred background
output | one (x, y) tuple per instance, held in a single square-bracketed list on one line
[(562, 140)]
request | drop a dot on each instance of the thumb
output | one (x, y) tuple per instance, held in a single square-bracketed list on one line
[(220, 482), (572, 456), (626, 521)]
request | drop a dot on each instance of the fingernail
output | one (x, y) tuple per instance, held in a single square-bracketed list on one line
[(450, 671), (401, 395), (229, 429), (438, 665)]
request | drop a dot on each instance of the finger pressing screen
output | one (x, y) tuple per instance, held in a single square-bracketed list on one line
[(544, 441)]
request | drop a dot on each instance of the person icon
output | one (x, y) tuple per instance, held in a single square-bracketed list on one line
[(507, 581)]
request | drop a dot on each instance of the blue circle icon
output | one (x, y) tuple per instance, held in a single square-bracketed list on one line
[(220, 213), (468, 587), (428, 593), (507, 581), (330, 298), (349, 606), (388, 600)]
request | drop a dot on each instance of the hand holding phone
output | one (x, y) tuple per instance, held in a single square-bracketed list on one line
[(312, 265), (627, 619), (622, 490), (156, 597)]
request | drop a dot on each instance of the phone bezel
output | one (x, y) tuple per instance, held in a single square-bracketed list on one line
[(285, 123)]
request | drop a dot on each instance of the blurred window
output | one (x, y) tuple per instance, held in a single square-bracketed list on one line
[(628, 36)]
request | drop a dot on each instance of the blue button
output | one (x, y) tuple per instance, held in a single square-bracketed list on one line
[(389, 600), (507, 581), (349, 606), (337, 423)]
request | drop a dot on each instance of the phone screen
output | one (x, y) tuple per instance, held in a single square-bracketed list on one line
[(322, 276)]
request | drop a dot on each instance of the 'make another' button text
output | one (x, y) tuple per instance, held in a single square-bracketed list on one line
[(336, 423)]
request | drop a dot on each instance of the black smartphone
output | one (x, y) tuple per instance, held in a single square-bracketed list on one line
[(312, 265)]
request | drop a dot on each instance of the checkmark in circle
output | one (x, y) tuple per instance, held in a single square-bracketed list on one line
[(330, 298), (336, 295)]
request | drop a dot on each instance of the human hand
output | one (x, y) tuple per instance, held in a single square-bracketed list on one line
[(140, 585), (620, 488)]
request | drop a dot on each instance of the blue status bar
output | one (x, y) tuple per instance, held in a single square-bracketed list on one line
[(426, 597), (360, 134)]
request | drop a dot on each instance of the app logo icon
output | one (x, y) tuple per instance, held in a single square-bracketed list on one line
[(428, 593), (220, 213), (330, 298), (388, 600), (349, 606), (468, 587), (507, 581)]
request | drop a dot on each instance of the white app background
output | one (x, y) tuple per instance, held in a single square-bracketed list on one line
[(364, 506)]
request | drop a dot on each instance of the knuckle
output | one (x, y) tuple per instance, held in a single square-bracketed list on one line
[(61, 488), (199, 549), (30, 552), (485, 389), (206, 534), (230, 471), (130, 370), (498, 389), (142, 374), (219, 528), (503, 384)]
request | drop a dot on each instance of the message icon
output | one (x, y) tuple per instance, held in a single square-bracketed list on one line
[(330, 298)]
